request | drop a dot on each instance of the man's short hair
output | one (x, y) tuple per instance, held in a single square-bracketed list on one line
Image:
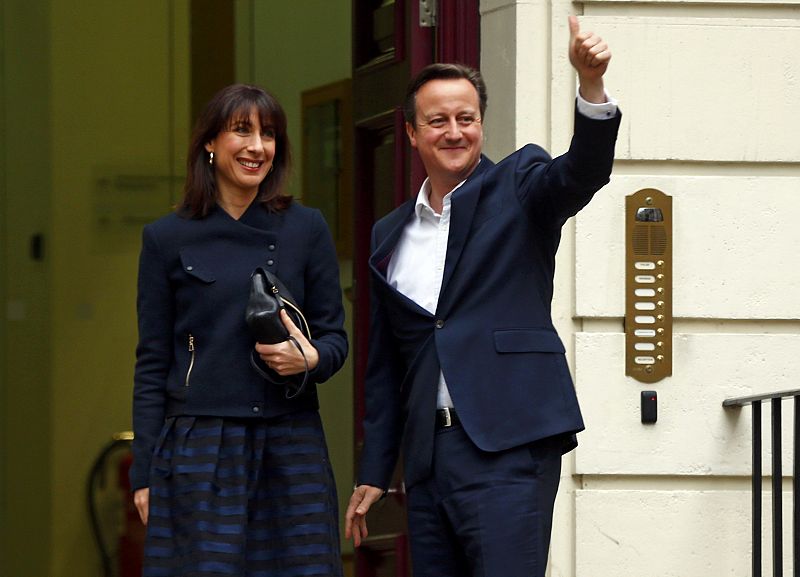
[(442, 71)]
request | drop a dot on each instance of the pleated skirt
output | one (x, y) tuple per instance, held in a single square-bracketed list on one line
[(244, 497)]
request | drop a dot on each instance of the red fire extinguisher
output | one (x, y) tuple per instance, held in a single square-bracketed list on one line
[(131, 540), (123, 558)]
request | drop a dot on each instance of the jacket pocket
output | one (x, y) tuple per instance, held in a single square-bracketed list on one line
[(193, 265), (527, 341)]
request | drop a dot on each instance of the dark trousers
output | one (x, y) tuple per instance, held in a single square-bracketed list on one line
[(484, 514)]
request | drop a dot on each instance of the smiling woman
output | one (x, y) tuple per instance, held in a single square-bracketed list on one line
[(230, 476), (239, 151), (242, 157)]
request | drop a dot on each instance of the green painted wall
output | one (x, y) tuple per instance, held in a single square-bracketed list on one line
[(25, 361), (119, 123)]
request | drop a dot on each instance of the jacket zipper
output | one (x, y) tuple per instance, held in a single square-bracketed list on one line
[(191, 360)]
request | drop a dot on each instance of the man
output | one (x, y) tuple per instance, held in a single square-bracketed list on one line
[(465, 367)]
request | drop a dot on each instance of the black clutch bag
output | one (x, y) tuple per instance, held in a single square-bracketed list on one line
[(268, 297)]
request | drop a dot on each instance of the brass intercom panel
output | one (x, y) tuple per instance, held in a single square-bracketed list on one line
[(648, 285)]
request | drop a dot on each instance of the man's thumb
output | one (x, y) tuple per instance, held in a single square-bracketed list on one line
[(574, 27)]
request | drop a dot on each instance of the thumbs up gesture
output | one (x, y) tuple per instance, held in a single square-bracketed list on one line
[(589, 55)]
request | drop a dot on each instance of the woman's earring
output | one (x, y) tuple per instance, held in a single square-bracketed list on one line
[(211, 158)]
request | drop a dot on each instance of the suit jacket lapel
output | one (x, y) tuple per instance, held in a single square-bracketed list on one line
[(379, 260), (462, 209)]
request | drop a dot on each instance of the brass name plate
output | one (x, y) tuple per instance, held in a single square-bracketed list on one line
[(648, 285)]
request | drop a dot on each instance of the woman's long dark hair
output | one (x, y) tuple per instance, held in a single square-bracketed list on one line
[(229, 105)]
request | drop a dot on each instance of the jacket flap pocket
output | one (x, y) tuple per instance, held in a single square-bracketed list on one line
[(192, 265), (527, 341)]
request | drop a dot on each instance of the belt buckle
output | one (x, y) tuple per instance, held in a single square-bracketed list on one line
[(448, 421)]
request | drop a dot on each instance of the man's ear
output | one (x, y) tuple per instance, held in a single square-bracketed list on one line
[(412, 134)]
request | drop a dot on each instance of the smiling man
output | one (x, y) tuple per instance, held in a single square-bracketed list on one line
[(466, 371), (446, 130)]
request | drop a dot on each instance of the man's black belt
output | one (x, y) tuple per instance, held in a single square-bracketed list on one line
[(446, 418)]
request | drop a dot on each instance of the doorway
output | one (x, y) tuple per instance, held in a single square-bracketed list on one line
[(392, 41)]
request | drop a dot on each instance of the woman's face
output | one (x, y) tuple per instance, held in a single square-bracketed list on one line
[(243, 155)]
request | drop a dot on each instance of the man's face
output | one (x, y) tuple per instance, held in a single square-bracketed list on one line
[(449, 133)]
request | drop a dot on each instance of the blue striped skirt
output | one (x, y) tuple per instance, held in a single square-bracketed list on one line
[(242, 497)]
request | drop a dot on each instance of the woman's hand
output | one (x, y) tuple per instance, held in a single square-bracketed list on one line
[(141, 498), (284, 358)]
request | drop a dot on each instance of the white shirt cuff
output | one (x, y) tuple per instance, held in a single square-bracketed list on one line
[(597, 111)]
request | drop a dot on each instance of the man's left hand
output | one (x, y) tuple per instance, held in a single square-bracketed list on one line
[(589, 55)]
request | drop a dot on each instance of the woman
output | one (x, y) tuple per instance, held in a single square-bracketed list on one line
[(230, 476)]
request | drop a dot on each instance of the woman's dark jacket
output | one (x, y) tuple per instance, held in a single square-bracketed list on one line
[(194, 278)]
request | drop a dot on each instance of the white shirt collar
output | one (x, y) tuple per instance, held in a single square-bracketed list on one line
[(423, 205)]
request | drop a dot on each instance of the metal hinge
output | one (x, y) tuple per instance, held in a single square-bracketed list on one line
[(427, 13)]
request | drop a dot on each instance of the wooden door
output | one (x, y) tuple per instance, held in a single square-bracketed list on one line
[(392, 41)]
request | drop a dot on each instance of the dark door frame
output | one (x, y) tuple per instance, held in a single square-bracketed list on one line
[(389, 47)]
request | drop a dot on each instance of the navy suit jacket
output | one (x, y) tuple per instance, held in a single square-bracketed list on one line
[(492, 335)]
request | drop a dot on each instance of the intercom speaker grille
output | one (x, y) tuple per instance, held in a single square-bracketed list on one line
[(658, 240), (641, 240)]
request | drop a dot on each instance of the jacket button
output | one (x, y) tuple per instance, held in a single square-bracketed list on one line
[(270, 262), (255, 409), (189, 267), (271, 247), (439, 323)]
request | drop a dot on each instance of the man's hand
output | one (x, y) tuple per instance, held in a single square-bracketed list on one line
[(284, 358), (355, 522), (589, 55), (141, 498)]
